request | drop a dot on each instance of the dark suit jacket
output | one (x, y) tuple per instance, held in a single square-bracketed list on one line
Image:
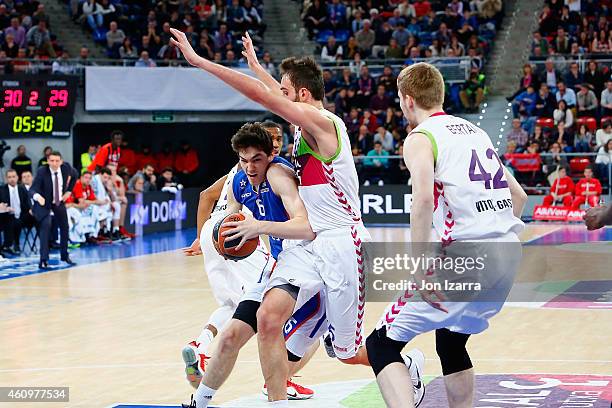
[(43, 185), (24, 198)]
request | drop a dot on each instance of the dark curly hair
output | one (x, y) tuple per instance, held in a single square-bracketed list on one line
[(252, 135)]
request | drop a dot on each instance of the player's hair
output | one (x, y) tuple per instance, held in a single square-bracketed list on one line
[(268, 124), (424, 83), (304, 73), (104, 170), (252, 135), (55, 153), (589, 168), (86, 172), (165, 169), (11, 171), (116, 132)]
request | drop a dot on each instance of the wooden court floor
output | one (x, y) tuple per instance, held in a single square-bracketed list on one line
[(113, 332)]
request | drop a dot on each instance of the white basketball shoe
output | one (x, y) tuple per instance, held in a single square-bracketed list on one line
[(415, 361)]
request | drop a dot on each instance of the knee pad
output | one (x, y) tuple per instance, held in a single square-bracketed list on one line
[(292, 357), (450, 347), (247, 312), (382, 350)]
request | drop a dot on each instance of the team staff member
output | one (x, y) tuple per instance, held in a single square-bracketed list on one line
[(561, 190), (588, 189), (21, 162), (16, 197), (51, 188), (110, 153)]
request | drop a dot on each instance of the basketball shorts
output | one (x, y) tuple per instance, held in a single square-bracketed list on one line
[(409, 316), (229, 280), (332, 264), (305, 326)]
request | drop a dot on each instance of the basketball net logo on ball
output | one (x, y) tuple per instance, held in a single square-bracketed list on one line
[(226, 246)]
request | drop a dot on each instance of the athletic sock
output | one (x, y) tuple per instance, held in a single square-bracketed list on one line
[(206, 337), (281, 403), (203, 395)]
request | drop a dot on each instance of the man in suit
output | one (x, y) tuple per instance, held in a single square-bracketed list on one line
[(15, 196), (52, 185)]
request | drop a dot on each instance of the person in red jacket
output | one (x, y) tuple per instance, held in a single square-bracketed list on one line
[(186, 163), (588, 189), (561, 190), (145, 157), (128, 158), (110, 153), (165, 158)]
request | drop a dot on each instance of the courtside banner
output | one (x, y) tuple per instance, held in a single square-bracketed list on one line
[(161, 89), (556, 213), (389, 204), (159, 211)]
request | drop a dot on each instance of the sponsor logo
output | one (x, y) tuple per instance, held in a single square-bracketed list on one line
[(555, 213), (383, 204), (157, 212)]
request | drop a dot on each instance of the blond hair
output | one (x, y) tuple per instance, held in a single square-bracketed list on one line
[(424, 83)]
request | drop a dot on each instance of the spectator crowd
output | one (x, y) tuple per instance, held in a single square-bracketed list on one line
[(25, 32), (563, 103), (352, 35)]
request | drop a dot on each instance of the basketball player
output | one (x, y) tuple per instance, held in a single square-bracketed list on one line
[(328, 185), (267, 187), (110, 153), (228, 279), (456, 160)]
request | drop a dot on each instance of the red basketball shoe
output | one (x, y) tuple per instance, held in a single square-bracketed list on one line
[(195, 363), (294, 391)]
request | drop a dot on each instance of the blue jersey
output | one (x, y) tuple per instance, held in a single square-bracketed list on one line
[(264, 204)]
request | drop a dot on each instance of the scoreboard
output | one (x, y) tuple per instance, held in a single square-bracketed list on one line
[(37, 105)]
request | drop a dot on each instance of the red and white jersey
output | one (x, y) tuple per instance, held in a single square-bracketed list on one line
[(471, 195), (329, 187), (221, 204)]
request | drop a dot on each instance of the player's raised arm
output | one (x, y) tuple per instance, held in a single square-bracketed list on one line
[(300, 114), (254, 65)]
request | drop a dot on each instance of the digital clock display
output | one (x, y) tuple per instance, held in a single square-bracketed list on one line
[(36, 105)]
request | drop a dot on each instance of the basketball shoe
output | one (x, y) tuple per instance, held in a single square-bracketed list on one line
[(294, 391), (195, 363), (415, 361)]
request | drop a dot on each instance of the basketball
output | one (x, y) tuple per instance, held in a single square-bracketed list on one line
[(227, 248)]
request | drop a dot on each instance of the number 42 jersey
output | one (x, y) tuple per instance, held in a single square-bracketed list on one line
[(471, 195)]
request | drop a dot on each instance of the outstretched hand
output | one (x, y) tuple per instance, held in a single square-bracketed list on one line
[(249, 51), (182, 43), (194, 249)]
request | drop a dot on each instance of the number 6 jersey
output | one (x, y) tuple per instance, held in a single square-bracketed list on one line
[(471, 195), (262, 202)]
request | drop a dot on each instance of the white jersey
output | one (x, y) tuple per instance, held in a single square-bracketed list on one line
[(328, 187), (471, 195), (221, 204)]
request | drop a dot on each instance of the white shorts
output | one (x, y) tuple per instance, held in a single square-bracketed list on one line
[(331, 264), (406, 318), (230, 279)]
